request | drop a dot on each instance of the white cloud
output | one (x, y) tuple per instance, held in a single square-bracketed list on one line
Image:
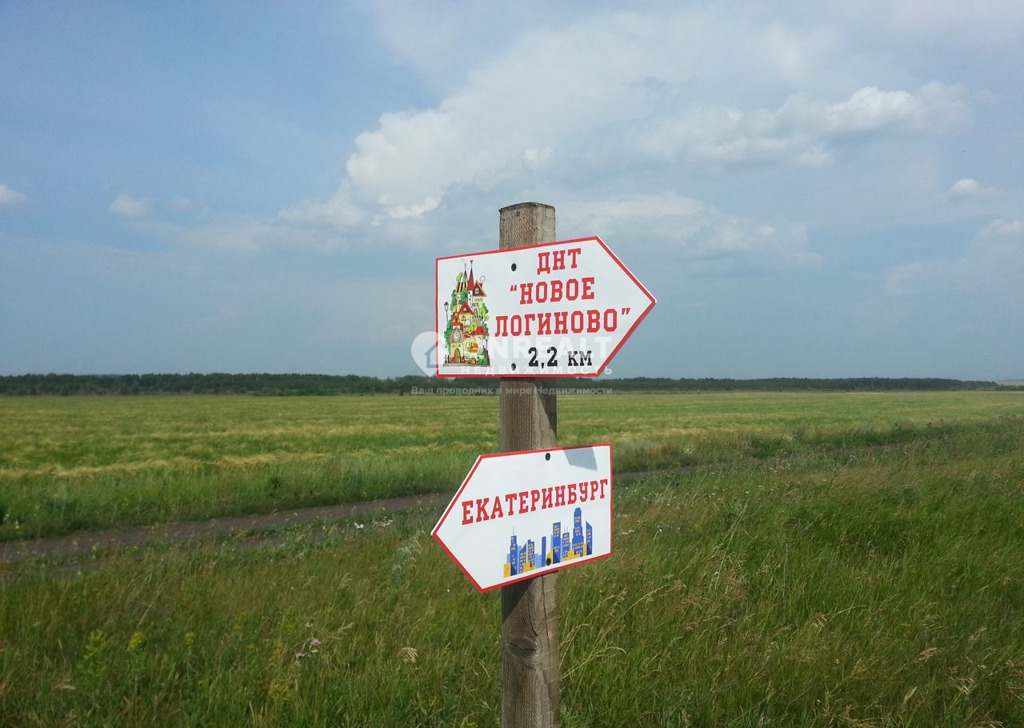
[(934, 107), (705, 237), (241, 235), (983, 24), (620, 91), (991, 268), (1003, 229), (127, 206), (898, 279), (339, 211), (9, 197), (970, 189), (181, 204), (803, 131)]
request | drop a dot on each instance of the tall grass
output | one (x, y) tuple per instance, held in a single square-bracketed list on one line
[(85, 463), (74, 463), (876, 584), (884, 591)]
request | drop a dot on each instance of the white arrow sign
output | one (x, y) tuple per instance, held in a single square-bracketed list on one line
[(551, 310), (523, 514)]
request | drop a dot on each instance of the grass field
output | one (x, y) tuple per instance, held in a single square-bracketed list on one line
[(829, 560), (72, 463)]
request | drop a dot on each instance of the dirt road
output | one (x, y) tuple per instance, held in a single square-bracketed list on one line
[(81, 544)]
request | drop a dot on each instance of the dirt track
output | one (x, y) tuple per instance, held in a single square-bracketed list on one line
[(70, 548), (81, 544)]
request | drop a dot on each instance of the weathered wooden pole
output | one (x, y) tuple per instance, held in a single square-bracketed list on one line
[(529, 609)]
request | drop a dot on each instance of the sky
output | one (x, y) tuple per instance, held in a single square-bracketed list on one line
[(808, 189)]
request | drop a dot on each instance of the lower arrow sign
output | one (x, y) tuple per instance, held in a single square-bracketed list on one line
[(522, 514)]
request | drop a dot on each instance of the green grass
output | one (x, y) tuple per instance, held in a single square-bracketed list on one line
[(884, 591), (850, 565), (78, 463), (85, 463)]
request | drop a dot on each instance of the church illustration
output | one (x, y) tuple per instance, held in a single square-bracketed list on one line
[(466, 322)]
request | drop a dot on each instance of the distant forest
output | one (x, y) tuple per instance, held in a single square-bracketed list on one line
[(326, 384)]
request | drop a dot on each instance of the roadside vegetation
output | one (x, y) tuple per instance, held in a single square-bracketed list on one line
[(292, 385), (778, 560)]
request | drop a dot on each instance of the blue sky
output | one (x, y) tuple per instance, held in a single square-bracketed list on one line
[(807, 190)]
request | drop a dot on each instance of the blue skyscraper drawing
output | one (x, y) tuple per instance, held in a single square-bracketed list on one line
[(577, 532)]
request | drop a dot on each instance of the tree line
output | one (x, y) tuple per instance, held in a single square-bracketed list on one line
[(330, 384)]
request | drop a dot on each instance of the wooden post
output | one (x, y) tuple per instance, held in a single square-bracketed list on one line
[(529, 609)]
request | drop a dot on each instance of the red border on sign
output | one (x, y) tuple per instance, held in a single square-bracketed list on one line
[(548, 569), (532, 375)]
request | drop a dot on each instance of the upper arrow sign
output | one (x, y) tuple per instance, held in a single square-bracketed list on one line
[(523, 514), (551, 310)]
